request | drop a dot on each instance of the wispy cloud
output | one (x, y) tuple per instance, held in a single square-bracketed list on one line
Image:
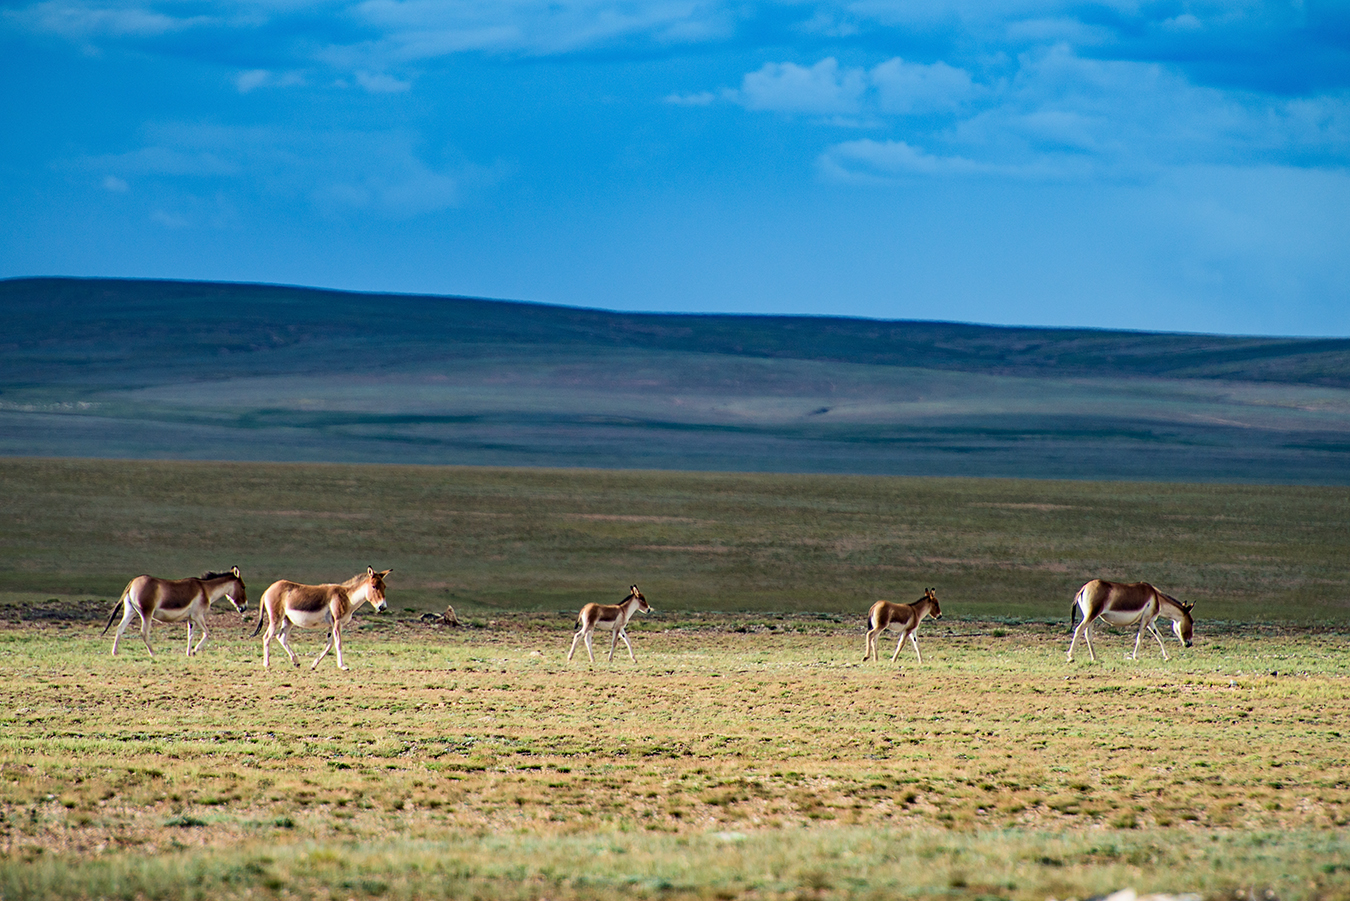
[(1050, 113), (381, 83), (253, 79), (426, 29), (83, 21), (381, 173)]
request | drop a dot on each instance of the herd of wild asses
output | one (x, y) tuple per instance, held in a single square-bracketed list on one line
[(285, 604)]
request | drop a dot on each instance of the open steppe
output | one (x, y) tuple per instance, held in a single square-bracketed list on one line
[(740, 757), (748, 752)]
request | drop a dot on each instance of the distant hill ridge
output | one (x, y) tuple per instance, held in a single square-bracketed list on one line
[(136, 322)]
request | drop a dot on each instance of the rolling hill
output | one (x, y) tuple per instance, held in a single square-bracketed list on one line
[(194, 370)]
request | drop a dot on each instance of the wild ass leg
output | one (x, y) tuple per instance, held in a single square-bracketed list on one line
[(145, 631), (1153, 627), (589, 633), (335, 644), (1084, 629), (127, 614), (871, 651), (201, 627), (274, 631), (575, 639), (283, 636), (620, 633), (1143, 625), (267, 643), (914, 637), (900, 644)]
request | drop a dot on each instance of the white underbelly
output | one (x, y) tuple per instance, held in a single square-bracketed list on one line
[(310, 620)]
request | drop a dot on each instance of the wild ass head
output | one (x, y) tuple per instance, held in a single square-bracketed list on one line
[(930, 595)]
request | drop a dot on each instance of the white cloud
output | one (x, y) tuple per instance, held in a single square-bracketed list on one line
[(702, 98), (252, 79), (1183, 22), (161, 160), (381, 173), (822, 89), (895, 87), (115, 184), (425, 29), (83, 21), (169, 220), (905, 87), (871, 161), (380, 83)]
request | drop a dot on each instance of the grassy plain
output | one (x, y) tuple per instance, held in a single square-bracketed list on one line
[(550, 540), (748, 752), (740, 757)]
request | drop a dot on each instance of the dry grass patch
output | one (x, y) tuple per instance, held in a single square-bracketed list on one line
[(772, 736)]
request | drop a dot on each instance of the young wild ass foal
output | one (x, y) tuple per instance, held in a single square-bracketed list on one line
[(1124, 604), (613, 617), (905, 617), (314, 606), (175, 600)]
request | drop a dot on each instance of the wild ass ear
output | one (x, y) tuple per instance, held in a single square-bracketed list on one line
[(237, 573), (1188, 607), (385, 573)]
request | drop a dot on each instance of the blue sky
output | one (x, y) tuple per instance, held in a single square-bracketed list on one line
[(1171, 165)]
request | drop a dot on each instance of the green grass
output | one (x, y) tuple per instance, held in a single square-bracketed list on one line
[(551, 540)]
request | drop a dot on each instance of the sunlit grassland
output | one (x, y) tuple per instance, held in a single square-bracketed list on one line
[(747, 753), (740, 756)]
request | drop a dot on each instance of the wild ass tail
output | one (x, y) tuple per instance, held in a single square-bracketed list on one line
[(1073, 611), (112, 616), (262, 611)]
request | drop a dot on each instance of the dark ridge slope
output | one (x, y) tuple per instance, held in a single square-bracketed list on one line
[(128, 324)]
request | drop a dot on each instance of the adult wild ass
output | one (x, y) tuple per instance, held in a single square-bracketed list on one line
[(1124, 604), (905, 617), (175, 600), (314, 606), (613, 617)]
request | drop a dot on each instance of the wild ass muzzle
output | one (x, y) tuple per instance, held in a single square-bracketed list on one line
[(613, 617), (175, 600), (905, 617), (329, 605), (1124, 604)]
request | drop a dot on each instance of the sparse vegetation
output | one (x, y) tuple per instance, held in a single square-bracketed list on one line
[(747, 754), (479, 763)]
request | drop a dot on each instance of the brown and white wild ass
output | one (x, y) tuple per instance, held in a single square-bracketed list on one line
[(289, 604), (905, 617), (175, 600), (613, 617), (1124, 604)]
